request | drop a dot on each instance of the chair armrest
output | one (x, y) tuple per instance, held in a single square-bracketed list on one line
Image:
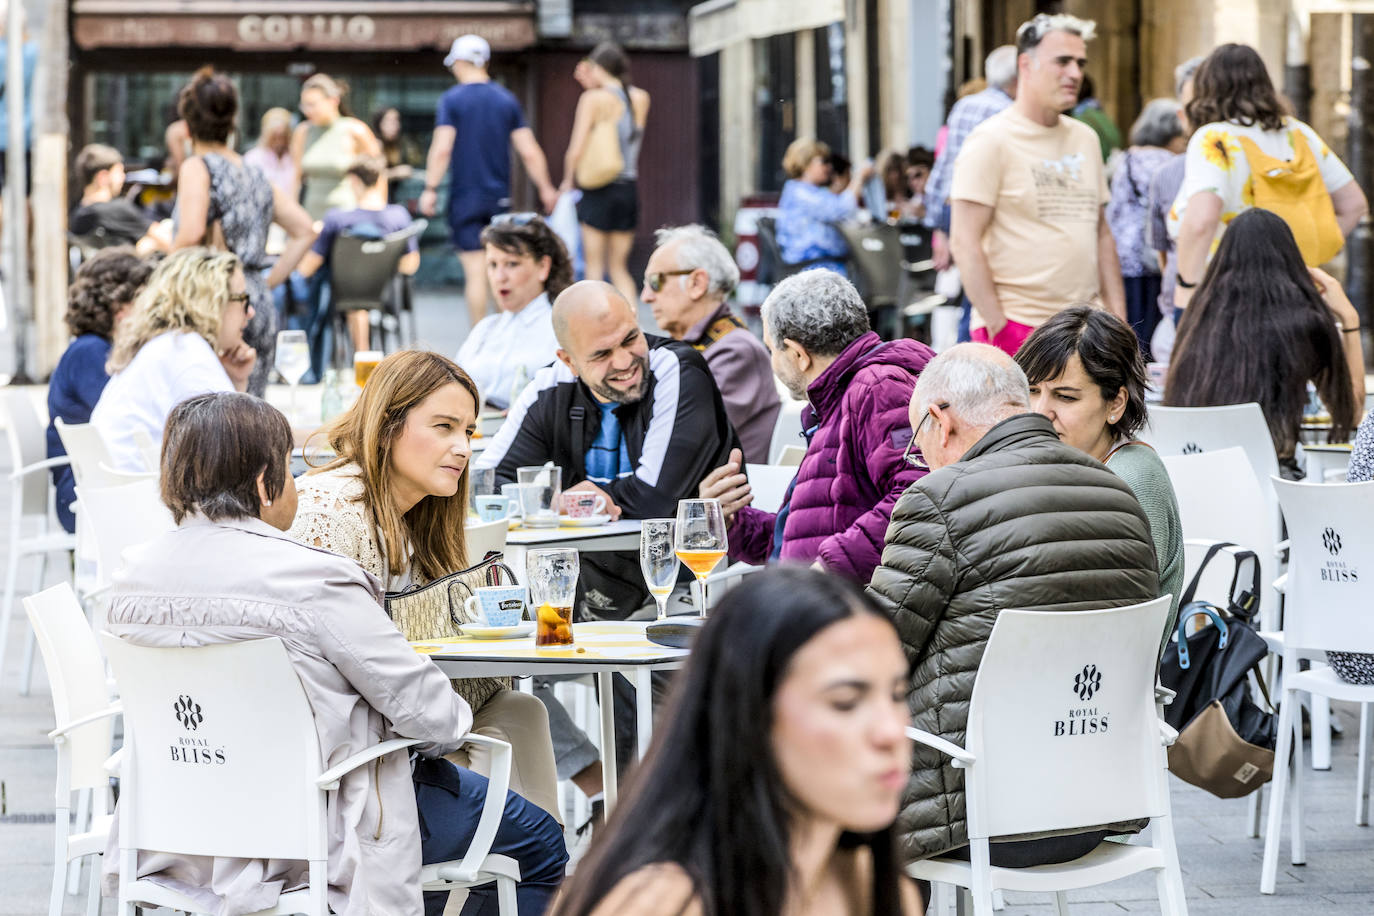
[(1280, 547), (61, 461), (1163, 695), (329, 779), (113, 762), (961, 758), (733, 571), (60, 733), (1281, 584), (493, 808), (1167, 734)]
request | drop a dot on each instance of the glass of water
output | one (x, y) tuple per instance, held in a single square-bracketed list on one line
[(657, 560), (293, 361)]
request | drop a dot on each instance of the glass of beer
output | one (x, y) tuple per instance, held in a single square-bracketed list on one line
[(553, 589), (700, 541), (364, 361)]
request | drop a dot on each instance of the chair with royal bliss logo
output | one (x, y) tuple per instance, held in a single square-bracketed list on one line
[(1330, 591), (217, 763), (1063, 734)]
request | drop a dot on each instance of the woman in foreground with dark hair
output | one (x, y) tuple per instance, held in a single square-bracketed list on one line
[(1087, 376), (1261, 326), (773, 785)]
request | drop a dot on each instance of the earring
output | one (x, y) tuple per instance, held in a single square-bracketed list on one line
[(1111, 418), (267, 502)]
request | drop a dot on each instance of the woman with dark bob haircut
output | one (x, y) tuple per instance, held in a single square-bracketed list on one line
[(1263, 325), (229, 572), (1087, 376), (1248, 151), (100, 296), (774, 782)]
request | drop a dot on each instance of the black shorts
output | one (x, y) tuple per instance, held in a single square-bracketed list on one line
[(468, 215), (614, 208)]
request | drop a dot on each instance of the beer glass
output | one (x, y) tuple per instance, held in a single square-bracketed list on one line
[(364, 361), (553, 589), (700, 541), (657, 560)]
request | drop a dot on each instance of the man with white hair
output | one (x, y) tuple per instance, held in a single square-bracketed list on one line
[(857, 387), (688, 278), (1008, 517), (1027, 227)]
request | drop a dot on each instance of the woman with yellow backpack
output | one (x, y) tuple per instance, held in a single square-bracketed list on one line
[(1247, 151)]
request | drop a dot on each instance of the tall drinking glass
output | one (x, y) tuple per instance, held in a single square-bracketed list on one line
[(293, 361), (553, 589), (657, 560), (700, 541), (540, 487)]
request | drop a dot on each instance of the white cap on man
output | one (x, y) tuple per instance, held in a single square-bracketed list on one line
[(471, 48)]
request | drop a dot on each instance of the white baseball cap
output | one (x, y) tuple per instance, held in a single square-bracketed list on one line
[(471, 48)]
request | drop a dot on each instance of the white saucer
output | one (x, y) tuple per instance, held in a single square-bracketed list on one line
[(477, 631), (591, 521)]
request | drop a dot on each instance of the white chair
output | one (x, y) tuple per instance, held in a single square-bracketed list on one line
[(121, 517), (1034, 760), (84, 711), (271, 803), (30, 499), (769, 483), (484, 538), (150, 451), (89, 454), (791, 456), (118, 478), (1330, 591), (787, 429)]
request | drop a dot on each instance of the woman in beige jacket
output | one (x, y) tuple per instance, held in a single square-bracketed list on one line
[(229, 573)]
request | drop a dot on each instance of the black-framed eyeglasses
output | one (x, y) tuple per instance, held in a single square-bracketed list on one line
[(240, 298), (655, 280), (919, 461), (514, 219)]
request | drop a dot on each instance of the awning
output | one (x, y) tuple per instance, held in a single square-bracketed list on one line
[(292, 25), (713, 25)]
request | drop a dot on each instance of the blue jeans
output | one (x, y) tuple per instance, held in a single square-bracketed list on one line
[(965, 319), (318, 323), (450, 800)]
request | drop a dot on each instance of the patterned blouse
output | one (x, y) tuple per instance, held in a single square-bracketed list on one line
[(807, 215), (1127, 211)]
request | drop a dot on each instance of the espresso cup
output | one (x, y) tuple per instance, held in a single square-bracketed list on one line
[(497, 605), (512, 492), (494, 506), (583, 505)]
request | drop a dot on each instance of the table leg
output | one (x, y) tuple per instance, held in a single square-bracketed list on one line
[(644, 708), (606, 696)]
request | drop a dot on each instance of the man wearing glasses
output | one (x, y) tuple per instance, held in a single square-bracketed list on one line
[(1008, 517), (688, 278)]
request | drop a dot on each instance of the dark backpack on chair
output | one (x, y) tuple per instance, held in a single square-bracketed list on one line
[(1226, 741)]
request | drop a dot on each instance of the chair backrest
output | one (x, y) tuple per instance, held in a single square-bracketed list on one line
[(771, 265), (1193, 430), (876, 251), (484, 538), (28, 445), (119, 478), (1063, 722), (1220, 499), (150, 451), (787, 429), (76, 673), (89, 454), (769, 483), (791, 455), (121, 517), (1331, 566), (361, 267), (220, 752)]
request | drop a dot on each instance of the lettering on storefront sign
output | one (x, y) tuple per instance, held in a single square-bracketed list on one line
[(306, 29)]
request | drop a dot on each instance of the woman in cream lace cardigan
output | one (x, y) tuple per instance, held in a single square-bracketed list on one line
[(395, 500)]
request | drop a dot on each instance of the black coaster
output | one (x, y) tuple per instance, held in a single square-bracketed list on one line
[(675, 632)]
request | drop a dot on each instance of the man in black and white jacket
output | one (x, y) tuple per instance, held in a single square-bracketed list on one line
[(635, 418)]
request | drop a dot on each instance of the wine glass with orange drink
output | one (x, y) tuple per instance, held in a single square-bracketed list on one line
[(700, 541)]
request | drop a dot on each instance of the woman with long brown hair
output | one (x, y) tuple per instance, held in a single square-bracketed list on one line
[(395, 500)]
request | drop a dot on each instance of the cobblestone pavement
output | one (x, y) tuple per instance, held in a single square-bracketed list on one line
[(1221, 865)]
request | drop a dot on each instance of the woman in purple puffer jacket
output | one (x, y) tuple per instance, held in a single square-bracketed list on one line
[(858, 387)]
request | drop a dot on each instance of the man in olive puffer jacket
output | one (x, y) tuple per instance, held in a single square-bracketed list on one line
[(1009, 517)]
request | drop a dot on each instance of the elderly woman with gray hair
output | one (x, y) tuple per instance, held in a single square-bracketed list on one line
[(858, 387), (1157, 136)]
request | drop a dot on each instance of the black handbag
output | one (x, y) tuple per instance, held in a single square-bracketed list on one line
[(1226, 741)]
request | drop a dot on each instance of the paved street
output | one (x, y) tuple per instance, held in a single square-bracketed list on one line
[(1221, 866)]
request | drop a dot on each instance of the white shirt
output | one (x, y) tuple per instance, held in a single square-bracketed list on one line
[(168, 369), (500, 344)]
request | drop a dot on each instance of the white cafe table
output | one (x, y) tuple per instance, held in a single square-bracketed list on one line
[(1324, 459), (621, 535), (599, 647)]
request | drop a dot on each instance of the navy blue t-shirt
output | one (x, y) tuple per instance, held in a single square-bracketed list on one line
[(392, 218), (484, 115), (74, 388)]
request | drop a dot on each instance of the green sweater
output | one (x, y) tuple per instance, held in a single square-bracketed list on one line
[(1139, 465)]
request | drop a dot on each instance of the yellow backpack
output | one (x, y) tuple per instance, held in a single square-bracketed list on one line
[(1295, 191)]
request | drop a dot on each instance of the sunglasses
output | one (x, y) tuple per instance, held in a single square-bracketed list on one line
[(655, 281), (514, 219), (918, 461), (240, 298)]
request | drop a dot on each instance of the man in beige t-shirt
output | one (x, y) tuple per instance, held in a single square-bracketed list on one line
[(1027, 228)]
